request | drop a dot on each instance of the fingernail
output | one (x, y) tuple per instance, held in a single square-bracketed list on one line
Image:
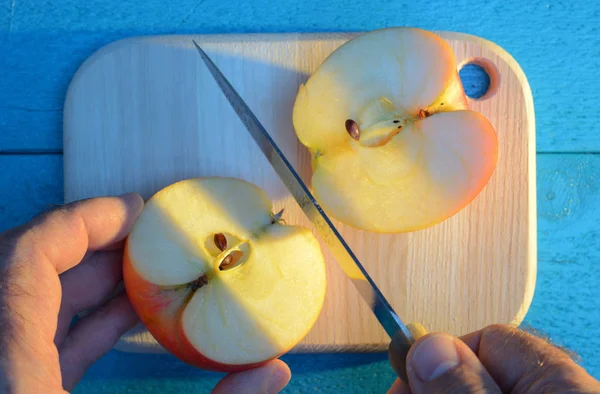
[(278, 381), (128, 196), (434, 356), (131, 199)]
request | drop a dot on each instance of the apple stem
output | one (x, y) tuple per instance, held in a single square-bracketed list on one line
[(277, 217), (423, 113), (198, 283)]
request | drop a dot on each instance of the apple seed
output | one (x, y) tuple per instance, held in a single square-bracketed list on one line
[(231, 260), (220, 241), (352, 129)]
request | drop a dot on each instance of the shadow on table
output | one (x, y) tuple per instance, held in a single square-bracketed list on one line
[(119, 365)]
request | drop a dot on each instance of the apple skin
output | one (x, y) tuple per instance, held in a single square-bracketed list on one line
[(161, 315)]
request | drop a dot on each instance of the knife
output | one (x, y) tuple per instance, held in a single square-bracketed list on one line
[(402, 336)]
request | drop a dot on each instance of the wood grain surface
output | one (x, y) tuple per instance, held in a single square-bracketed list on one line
[(143, 112)]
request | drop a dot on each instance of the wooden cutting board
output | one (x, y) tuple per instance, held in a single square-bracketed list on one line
[(142, 113)]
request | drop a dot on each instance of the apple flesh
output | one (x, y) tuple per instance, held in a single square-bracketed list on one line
[(394, 146), (218, 279)]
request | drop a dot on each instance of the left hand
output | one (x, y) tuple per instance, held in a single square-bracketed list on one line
[(64, 262)]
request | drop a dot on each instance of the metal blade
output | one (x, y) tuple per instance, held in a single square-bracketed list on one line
[(383, 311)]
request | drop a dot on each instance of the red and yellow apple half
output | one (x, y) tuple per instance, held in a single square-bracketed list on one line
[(218, 279), (394, 146)]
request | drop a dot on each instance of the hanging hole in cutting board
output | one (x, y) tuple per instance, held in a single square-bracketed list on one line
[(479, 78)]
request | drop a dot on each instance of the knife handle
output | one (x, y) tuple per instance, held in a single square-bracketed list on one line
[(398, 349)]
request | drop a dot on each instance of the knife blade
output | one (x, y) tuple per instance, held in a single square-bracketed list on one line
[(402, 336)]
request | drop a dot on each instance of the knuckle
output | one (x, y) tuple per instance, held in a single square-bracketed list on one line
[(542, 366), (27, 241), (557, 376), (28, 250), (499, 331)]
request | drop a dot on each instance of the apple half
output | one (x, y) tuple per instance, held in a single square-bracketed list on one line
[(218, 279), (394, 146)]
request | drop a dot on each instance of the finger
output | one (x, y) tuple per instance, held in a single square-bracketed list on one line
[(441, 363), (93, 336), (270, 378), (521, 362), (62, 236), (399, 387), (87, 286)]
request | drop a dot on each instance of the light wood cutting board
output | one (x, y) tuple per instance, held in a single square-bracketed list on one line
[(142, 113)]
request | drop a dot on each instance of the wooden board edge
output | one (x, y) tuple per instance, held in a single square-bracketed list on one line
[(139, 340), (531, 274)]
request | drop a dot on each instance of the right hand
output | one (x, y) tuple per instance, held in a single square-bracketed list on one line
[(496, 359)]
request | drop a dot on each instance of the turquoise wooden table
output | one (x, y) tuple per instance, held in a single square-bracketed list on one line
[(557, 44)]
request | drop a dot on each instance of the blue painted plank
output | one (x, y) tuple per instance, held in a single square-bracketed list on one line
[(32, 90), (565, 303), (327, 373), (569, 207), (43, 43), (6, 13), (29, 184), (564, 306)]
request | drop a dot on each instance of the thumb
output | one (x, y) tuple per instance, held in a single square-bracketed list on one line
[(270, 378), (440, 363)]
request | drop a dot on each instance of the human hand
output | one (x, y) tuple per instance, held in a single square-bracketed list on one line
[(64, 262), (496, 359)]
